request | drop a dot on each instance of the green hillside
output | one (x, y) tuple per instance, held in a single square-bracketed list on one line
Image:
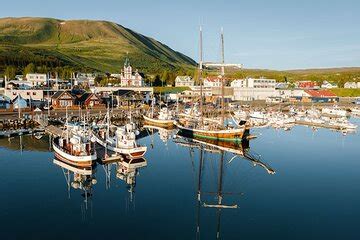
[(97, 45)]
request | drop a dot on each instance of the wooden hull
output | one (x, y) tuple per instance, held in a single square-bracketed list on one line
[(159, 123), (233, 135), (86, 161)]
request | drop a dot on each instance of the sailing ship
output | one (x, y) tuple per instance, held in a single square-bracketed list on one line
[(122, 142), (77, 147), (203, 128), (163, 119)]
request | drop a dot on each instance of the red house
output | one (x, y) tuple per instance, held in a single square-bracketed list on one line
[(322, 96), (89, 100), (307, 85)]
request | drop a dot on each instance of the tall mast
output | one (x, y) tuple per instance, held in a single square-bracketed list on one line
[(222, 79), (67, 125), (200, 76)]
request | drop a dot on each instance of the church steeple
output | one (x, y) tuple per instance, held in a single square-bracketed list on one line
[(127, 61)]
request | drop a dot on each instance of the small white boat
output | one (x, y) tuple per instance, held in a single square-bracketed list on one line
[(334, 111), (355, 111), (258, 115), (240, 115), (163, 119)]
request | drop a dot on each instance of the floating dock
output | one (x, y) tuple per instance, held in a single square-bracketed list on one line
[(18, 132), (320, 125)]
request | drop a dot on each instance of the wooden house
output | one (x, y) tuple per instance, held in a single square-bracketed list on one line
[(61, 99), (89, 100)]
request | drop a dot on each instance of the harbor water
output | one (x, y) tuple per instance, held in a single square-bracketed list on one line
[(304, 184)]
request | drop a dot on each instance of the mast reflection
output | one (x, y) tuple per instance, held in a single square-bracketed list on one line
[(225, 153), (127, 171)]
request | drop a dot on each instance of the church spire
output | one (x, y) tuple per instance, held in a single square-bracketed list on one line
[(127, 61)]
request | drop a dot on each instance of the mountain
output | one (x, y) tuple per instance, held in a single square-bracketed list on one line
[(97, 45)]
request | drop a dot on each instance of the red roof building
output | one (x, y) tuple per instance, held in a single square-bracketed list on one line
[(306, 84), (320, 93), (322, 96)]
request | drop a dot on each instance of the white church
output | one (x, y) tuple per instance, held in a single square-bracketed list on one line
[(130, 79)]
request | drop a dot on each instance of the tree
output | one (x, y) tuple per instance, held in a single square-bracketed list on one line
[(157, 81), (165, 76), (10, 72), (30, 68)]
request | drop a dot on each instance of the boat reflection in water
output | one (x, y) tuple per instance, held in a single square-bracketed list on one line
[(165, 134), (81, 179), (225, 153), (126, 170)]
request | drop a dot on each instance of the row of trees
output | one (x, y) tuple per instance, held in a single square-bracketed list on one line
[(63, 72), (167, 77)]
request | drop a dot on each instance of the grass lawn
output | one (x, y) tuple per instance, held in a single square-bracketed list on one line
[(346, 92), (170, 89)]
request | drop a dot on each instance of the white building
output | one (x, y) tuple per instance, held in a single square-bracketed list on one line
[(352, 85), (212, 81), (33, 94), (328, 85), (130, 79), (250, 89), (85, 78), (184, 81), (36, 79), (206, 91)]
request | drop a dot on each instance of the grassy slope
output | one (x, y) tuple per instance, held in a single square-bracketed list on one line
[(344, 92), (101, 45)]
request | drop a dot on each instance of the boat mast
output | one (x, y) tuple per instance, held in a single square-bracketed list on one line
[(222, 66), (200, 76), (67, 124), (152, 106), (222, 79)]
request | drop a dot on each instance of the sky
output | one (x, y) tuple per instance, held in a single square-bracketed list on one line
[(272, 34)]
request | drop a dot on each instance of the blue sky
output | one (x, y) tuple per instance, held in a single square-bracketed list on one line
[(278, 34)]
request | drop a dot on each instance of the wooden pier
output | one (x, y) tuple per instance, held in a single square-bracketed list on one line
[(55, 131)]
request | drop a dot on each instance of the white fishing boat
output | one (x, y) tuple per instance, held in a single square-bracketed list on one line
[(123, 141), (76, 148)]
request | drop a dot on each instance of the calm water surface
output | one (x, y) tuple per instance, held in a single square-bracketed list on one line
[(314, 194)]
